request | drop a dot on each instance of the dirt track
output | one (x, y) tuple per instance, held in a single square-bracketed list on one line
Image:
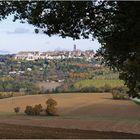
[(77, 111)]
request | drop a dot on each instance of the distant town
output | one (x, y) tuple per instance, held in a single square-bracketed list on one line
[(35, 55)]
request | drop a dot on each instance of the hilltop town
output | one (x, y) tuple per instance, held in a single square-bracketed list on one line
[(35, 55)]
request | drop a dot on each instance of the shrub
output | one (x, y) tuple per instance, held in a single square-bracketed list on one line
[(51, 107), (29, 110), (107, 88), (17, 109), (92, 89), (37, 109), (119, 93), (51, 102), (6, 95)]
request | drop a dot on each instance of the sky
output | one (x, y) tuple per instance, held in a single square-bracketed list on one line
[(15, 37)]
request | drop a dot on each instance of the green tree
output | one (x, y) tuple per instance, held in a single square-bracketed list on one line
[(121, 45), (5, 83)]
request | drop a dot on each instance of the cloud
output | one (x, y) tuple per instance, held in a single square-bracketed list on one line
[(19, 31)]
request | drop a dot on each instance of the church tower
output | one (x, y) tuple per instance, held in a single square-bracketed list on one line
[(74, 48)]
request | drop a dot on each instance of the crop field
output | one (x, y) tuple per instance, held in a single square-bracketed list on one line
[(89, 112), (98, 83), (109, 76)]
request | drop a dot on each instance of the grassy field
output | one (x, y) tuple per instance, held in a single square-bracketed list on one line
[(110, 76), (98, 83)]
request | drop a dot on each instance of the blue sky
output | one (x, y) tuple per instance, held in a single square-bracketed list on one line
[(15, 36)]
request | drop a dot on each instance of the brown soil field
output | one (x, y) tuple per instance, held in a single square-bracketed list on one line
[(34, 132), (79, 111)]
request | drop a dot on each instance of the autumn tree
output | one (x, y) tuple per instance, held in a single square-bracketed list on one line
[(51, 107)]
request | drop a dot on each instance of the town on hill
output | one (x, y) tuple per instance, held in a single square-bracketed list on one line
[(35, 55)]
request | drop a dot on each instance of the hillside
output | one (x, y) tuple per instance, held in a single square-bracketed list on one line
[(78, 111)]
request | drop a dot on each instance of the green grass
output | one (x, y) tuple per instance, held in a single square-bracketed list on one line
[(98, 83), (136, 100), (110, 76)]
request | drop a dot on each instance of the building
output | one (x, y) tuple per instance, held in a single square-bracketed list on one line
[(76, 53)]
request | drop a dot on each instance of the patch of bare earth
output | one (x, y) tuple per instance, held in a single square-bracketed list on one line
[(77, 111), (35, 132)]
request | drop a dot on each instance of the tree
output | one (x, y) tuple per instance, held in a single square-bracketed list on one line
[(17, 110), (120, 48), (6, 83), (51, 107), (66, 18), (115, 24)]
